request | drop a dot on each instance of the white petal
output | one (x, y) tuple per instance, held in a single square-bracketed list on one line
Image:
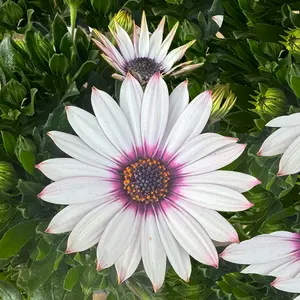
[(156, 39), (61, 168), (113, 64), (175, 55), (216, 226), (110, 50), (88, 231), (290, 160), (183, 69), (179, 100), (272, 268), (117, 236), (130, 259), (144, 38), (124, 42), (78, 190), (75, 147), (190, 235), (218, 19), (88, 129), (279, 141), (214, 197), (154, 115), (237, 181), (285, 121), (166, 44), (260, 249), (131, 96), (66, 219), (178, 257), (153, 253), (287, 285), (190, 123), (136, 38), (201, 146), (215, 160), (112, 121)]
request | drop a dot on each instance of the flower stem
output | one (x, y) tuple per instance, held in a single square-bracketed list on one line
[(73, 16)]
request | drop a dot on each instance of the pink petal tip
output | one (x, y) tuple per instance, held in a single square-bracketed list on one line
[(280, 173), (48, 230), (68, 251), (259, 153)]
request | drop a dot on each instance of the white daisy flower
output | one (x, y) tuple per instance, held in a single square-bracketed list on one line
[(146, 54), (276, 254), (286, 141), (142, 183)]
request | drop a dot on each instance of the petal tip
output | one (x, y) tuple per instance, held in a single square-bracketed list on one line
[(281, 173), (69, 251), (48, 230)]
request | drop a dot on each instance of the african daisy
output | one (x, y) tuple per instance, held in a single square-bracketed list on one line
[(142, 182), (146, 54)]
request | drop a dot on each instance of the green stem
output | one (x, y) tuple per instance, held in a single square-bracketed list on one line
[(73, 16)]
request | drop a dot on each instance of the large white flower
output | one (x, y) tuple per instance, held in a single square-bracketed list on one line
[(142, 182), (146, 54), (276, 254), (286, 141)]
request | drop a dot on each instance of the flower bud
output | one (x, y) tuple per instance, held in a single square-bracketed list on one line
[(270, 102), (7, 176), (292, 40), (223, 101), (124, 19)]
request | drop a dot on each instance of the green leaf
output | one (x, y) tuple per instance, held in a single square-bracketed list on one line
[(59, 64), (9, 142), (295, 85), (71, 91), (16, 237), (10, 13), (59, 29), (84, 69), (102, 6), (29, 109), (9, 291), (72, 277)]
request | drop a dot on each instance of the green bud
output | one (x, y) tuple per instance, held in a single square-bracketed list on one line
[(223, 101), (7, 176), (124, 19), (270, 102), (292, 41)]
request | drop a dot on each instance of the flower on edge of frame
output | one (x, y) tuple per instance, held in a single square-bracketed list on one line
[(285, 141), (143, 182), (144, 55), (276, 254)]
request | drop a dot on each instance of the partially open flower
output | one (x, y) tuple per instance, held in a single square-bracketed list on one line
[(223, 101), (124, 19), (146, 54), (143, 182)]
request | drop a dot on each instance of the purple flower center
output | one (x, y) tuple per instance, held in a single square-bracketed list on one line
[(142, 68), (146, 180)]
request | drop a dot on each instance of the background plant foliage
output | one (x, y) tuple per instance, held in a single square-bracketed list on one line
[(42, 68)]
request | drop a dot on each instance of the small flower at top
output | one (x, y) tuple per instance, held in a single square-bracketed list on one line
[(292, 40), (146, 54), (124, 19)]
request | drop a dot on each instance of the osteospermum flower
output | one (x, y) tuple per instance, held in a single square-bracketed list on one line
[(146, 54), (286, 141), (275, 254), (142, 182)]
